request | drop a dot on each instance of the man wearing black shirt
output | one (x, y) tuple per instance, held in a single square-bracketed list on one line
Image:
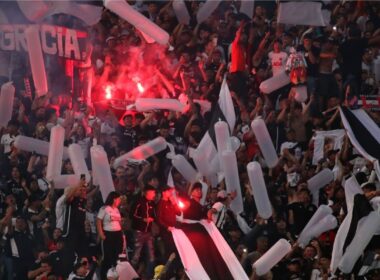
[(166, 217), (194, 210), (15, 186), (74, 229), (301, 212), (352, 52), (311, 54), (129, 136), (19, 248), (143, 216)]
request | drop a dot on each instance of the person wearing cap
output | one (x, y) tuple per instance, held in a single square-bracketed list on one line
[(167, 210), (144, 215), (218, 212)]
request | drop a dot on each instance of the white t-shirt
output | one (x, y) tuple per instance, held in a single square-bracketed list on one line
[(278, 62), (111, 218), (6, 141)]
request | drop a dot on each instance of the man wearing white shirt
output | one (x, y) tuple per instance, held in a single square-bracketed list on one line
[(277, 58)]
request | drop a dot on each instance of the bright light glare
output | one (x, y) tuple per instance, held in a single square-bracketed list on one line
[(181, 204), (140, 87), (108, 92)]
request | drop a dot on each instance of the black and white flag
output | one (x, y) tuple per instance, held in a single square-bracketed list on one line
[(363, 133), (224, 111)]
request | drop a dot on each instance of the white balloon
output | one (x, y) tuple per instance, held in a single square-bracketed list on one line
[(181, 11), (320, 180), (321, 212), (142, 152), (36, 58), (54, 165), (206, 10), (6, 103), (77, 161), (125, 11), (275, 82), (101, 170), (201, 163), (325, 224), (185, 168), (231, 176), (222, 135), (149, 104), (40, 147), (271, 257), (265, 142), (259, 190)]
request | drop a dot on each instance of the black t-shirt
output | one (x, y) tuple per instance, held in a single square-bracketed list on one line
[(195, 211), (18, 192), (166, 214), (129, 139), (302, 215), (77, 213), (312, 68)]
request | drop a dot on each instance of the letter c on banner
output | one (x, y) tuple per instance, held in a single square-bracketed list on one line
[(48, 32)]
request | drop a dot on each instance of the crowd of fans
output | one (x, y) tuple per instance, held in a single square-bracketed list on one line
[(54, 234)]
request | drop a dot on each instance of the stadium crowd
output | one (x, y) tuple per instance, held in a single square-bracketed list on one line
[(50, 233)]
